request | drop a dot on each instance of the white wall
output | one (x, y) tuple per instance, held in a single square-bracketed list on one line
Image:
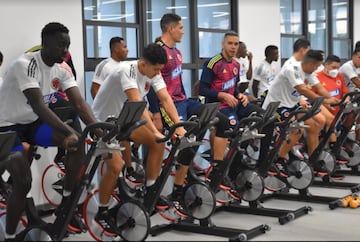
[(21, 25), (259, 25)]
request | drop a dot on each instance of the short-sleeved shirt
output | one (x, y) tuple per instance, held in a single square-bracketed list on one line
[(103, 69), (111, 96), (222, 76), (349, 71), (244, 67), (335, 86), (283, 88), (264, 73), (172, 72), (29, 71)]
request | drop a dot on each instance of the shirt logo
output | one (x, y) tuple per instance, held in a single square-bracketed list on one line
[(235, 71), (334, 93), (295, 93), (338, 82), (176, 72), (55, 83), (147, 86), (229, 84)]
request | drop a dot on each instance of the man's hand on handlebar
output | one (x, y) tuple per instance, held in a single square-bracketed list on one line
[(71, 139)]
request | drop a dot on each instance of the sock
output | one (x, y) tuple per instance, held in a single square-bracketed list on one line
[(9, 236), (149, 182), (66, 193)]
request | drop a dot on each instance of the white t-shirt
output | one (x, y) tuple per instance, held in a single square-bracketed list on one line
[(111, 97), (29, 71), (265, 73), (103, 69), (349, 71), (283, 89), (244, 67)]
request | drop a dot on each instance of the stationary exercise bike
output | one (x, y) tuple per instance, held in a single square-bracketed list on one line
[(300, 174), (39, 230)]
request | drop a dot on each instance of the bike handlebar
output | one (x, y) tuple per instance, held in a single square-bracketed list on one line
[(174, 127), (343, 98)]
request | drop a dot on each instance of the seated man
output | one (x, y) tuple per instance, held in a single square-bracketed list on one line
[(30, 86), (132, 82), (287, 88), (218, 83), (334, 82), (351, 72), (219, 79)]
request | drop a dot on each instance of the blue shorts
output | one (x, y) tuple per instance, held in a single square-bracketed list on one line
[(184, 108), (36, 133), (236, 114)]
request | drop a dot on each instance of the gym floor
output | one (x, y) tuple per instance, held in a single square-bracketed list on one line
[(320, 224)]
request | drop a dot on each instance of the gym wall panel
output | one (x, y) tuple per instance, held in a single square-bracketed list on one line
[(21, 25)]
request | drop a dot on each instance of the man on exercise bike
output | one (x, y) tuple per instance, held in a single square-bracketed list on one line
[(131, 82), (288, 88), (29, 86)]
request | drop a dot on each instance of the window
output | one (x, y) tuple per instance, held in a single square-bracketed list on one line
[(324, 22), (138, 22)]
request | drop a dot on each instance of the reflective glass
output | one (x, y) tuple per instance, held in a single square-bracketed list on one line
[(340, 18), (210, 43), (290, 17), (98, 38), (214, 14), (317, 24), (110, 10), (342, 48)]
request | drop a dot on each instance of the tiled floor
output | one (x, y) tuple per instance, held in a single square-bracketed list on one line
[(321, 224)]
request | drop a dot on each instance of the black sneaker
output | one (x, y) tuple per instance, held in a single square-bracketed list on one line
[(107, 223), (320, 168), (279, 168), (227, 184), (178, 206), (134, 177), (341, 159), (281, 165), (76, 225), (163, 203)]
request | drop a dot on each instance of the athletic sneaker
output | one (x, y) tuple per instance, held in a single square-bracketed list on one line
[(176, 201), (134, 177), (320, 168), (226, 183), (76, 225), (107, 223), (341, 159), (162, 203), (279, 168)]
